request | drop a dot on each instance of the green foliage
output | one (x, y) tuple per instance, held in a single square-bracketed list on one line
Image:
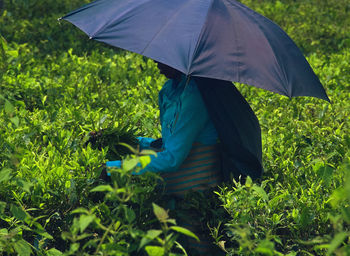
[(113, 226), (67, 105), (316, 26)]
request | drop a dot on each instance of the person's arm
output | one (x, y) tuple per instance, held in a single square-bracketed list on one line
[(190, 120), (145, 143)]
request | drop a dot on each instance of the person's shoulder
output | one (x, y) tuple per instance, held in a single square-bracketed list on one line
[(166, 87), (191, 92), (191, 86), (167, 84)]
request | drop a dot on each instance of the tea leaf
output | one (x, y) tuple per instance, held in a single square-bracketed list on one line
[(266, 247), (222, 245), (337, 240), (184, 231), (84, 221), (22, 248), (171, 221), (25, 185), (128, 147), (325, 173), (18, 212), (73, 248), (261, 192), (161, 214), (43, 233), (129, 214), (145, 160), (4, 232), (150, 236), (148, 152), (5, 174), (345, 213), (80, 210), (248, 182), (130, 164), (154, 251), (153, 233), (9, 108), (54, 252), (102, 188), (15, 120)]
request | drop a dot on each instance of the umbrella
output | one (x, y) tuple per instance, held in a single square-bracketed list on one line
[(218, 39), (217, 42)]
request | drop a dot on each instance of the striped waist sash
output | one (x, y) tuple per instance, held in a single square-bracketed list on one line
[(199, 171)]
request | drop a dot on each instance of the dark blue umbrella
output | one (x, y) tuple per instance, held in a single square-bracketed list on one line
[(220, 39)]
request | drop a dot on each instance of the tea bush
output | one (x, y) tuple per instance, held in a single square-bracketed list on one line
[(67, 102)]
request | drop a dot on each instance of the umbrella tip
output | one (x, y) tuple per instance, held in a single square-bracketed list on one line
[(90, 37), (59, 19)]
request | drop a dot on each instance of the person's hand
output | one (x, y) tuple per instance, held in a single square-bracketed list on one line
[(157, 144), (114, 164), (118, 164)]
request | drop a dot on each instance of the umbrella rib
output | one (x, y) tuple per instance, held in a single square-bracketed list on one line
[(199, 38)]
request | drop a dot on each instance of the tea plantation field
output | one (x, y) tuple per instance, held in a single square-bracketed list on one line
[(66, 102)]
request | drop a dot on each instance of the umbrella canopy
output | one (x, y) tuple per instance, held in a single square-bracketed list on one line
[(220, 39), (237, 126)]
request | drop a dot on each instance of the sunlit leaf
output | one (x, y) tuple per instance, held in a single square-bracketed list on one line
[(222, 245), (161, 214), (148, 152), (248, 182), (80, 210), (84, 221), (102, 188), (150, 236), (261, 192), (154, 250), (3, 231), (144, 160), (184, 231), (128, 147), (130, 164), (22, 248)]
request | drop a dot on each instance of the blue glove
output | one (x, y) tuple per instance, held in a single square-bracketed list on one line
[(118, 164), (115, 164)]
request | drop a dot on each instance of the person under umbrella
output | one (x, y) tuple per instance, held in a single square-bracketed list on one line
[(209, 132), (190, 154)]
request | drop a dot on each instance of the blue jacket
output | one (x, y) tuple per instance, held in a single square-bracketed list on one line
[(184, 120)]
